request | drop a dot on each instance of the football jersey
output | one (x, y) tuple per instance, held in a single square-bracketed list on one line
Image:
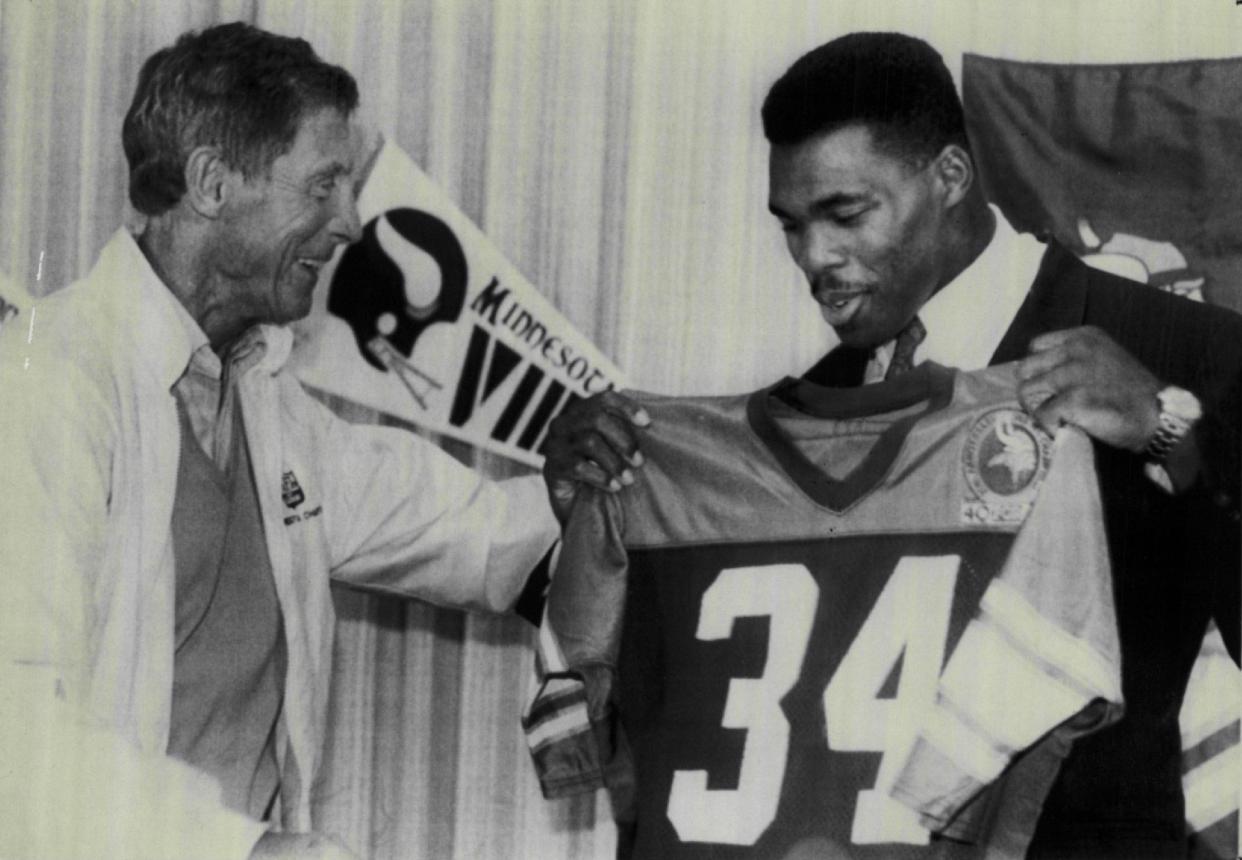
[(828, 618)]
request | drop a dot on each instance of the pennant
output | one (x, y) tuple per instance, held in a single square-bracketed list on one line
[(424, 319)]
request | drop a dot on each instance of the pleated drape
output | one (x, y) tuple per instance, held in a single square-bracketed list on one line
[(612, 150)]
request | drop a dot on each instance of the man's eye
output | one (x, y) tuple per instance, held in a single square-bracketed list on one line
[(845, 219), (322, 189)]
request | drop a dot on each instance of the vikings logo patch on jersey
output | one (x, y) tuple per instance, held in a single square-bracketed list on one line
[(1005, 459)]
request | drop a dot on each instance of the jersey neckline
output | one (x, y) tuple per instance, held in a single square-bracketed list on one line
[(929, 383)]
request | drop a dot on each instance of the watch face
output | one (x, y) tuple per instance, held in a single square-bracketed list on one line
[(1180, 403)]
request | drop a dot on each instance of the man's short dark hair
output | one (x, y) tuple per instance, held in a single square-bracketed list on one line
[(233, 86), (896, 85)]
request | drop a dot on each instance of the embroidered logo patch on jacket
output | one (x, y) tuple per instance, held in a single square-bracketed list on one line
[(291, 490)]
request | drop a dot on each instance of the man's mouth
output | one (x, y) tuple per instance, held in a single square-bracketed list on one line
[(838, 307)]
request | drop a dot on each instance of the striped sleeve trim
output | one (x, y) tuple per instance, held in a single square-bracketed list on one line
[(1208, 800), (561, 740), (558, 711), (1012, 678), (1012, 698), (1051, 644), (971, 749)]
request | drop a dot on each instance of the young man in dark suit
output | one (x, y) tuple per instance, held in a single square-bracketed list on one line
[(873, 182)]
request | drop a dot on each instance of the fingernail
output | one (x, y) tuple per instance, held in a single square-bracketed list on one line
[(637, 459), (641, 418), (627, 477), (613, 486)]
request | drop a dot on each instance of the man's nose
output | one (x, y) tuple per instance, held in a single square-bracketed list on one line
[(817, 250), (345, 225)]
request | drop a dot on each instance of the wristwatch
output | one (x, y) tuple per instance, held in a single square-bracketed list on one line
[(1179, 411)]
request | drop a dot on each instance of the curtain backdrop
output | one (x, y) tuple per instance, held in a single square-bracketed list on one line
[(612, 149)]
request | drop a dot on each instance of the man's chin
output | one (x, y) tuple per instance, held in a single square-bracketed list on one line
[(298, 307), (856, 338)]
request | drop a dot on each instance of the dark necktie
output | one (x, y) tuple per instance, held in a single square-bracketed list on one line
[(908, 340)]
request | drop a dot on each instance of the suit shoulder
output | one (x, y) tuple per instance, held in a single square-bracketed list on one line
[(1108, 293), (1143, 318)]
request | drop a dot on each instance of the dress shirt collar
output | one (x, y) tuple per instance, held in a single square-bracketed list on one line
[(203, 359)]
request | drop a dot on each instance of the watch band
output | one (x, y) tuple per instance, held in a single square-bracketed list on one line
[(1179, 410)]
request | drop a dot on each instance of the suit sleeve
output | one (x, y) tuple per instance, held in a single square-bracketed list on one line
[(1214, 510), (70, 786), (1219, 437), (1213, 518)]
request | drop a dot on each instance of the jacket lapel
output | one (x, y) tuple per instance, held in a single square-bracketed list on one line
[(1057, 300)]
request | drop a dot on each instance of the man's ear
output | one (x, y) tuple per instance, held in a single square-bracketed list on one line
[(954, 172), (208, 181)]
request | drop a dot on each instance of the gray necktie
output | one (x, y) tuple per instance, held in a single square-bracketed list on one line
[(908, 340)]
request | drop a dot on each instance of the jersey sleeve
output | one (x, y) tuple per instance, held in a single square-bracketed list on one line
[(1040, 662), (570, 725)]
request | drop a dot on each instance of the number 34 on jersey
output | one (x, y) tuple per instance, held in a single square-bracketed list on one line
[(797, 684)]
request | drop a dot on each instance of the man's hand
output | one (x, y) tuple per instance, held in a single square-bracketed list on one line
[(299, 846), (592, 442), (1081, 376)]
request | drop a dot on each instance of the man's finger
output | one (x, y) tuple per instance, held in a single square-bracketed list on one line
[(1058, 410), (625, 407), (595, 447), (1039, 363), (587, 472), (1059, 377), (586, 448), (1052, 339), (1032, 395), (618, 432)]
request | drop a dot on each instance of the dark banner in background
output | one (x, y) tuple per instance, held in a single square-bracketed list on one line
[(1137, 168)]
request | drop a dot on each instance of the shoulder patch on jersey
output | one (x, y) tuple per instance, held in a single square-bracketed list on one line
[(1005, 459)]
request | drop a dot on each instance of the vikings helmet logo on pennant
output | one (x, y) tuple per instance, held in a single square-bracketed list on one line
[(1005, 459)]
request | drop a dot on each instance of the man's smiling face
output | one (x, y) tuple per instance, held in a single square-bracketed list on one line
[(285, 225), (865, 227)]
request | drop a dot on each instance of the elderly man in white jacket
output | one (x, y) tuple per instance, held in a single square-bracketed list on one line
[(174, 503)]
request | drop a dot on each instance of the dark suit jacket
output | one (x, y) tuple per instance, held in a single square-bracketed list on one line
[(1175, 558)]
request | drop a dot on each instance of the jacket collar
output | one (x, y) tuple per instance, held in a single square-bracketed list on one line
[(147, 309)]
